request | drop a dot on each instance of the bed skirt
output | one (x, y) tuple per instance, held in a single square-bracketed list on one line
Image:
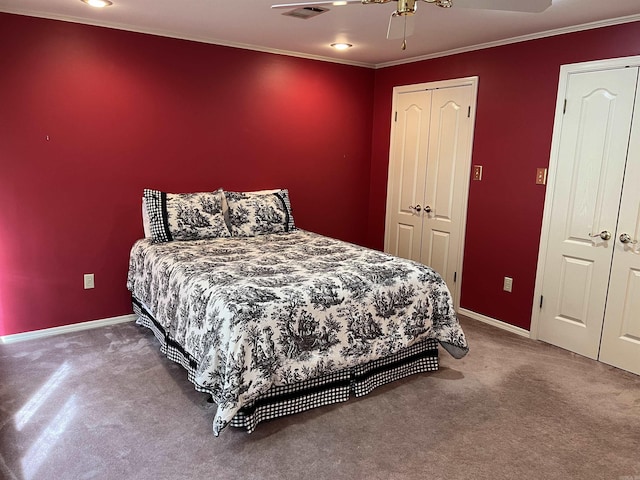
[(328, 389)]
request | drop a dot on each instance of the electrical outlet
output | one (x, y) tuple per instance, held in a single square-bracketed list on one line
[(88, 281), (508, 284)]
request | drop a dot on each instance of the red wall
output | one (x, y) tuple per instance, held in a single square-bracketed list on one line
[(515, 112), (123, 111), (90, 116)]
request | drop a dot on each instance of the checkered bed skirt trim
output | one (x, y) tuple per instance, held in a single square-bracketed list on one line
[(336, 387), (168, 346), (283, 400), (418, 358)]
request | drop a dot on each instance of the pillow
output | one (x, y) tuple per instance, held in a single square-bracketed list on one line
[(225, 204), (185, 216), (145, 220), (259, 213)]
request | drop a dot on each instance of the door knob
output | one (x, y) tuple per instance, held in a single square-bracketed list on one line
[(427, 209), (417, 208), (626, 238), (604, 235)]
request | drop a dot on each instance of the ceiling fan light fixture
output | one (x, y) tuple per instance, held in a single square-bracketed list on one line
[(97, 3), (341, 46), (406, 7)]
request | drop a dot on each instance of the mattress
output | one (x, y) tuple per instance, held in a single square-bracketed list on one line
[(298, 397), (255, 313)]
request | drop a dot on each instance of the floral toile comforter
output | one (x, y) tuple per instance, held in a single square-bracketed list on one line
[(278, 309)]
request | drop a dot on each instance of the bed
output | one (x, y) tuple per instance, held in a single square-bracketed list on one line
[(272, 320)]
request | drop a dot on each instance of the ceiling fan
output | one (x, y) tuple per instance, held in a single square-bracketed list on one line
[(400, 24)]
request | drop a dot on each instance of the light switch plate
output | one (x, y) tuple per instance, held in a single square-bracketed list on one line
[(541, 176), (477, 172)]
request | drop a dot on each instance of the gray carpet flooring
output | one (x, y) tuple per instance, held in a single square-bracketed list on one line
[(106, 404)]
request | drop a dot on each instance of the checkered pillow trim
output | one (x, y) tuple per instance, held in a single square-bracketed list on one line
[(283, 196), (156, 202)]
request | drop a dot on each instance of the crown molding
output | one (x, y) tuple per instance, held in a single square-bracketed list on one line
[(180, 36), (223, 43), (522, 38)]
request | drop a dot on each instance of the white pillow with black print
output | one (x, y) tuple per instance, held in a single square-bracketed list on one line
[(259, 213), (185, 216)]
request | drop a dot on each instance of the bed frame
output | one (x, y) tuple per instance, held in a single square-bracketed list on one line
[(328, 389)]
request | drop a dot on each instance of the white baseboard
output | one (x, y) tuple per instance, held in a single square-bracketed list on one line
[(75, 327), (496, 323)]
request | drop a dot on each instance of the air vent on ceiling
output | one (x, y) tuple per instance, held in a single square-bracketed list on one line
[(306, 12)]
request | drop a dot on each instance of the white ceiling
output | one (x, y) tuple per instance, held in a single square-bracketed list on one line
[(253, 24)]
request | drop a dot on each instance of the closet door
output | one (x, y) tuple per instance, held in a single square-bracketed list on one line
[(589, 275), (589, 176), (588, 182), (620, 344), (447, 173), (429, 165), (407, 173)]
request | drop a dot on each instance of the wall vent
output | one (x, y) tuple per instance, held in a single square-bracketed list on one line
[(306, 12)]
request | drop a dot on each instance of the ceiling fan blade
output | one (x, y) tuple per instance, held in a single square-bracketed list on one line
[(531, 6), (400, 26), (335, 3)]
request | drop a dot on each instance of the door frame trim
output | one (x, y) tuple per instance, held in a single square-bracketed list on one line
[(454, 82), (565, 72)]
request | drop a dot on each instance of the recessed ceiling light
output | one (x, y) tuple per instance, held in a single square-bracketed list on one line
[(98, 3), (341, 46)]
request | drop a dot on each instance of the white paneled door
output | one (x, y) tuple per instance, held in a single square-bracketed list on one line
[(407, 174), (429, 166), (590, 285), (620, 345)]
